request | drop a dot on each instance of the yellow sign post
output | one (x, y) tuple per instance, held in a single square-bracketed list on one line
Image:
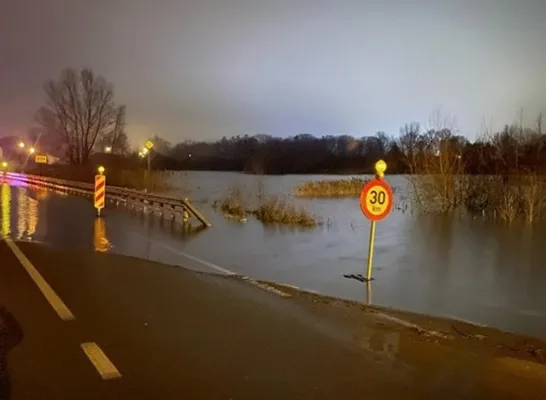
[(100, 190), (376, 201), (149, 144), (40, 159)]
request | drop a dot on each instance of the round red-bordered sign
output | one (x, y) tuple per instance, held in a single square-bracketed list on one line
[(376, 199)]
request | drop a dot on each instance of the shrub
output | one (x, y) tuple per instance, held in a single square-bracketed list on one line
[(331, 188), (269, 210), (274, 210), (232, 206)]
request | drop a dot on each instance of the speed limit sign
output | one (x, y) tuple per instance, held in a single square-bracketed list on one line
[(376, 199)]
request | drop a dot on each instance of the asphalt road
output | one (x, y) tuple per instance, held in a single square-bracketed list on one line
[(165, 332)]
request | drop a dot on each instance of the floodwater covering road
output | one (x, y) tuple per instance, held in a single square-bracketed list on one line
[(461, 267)]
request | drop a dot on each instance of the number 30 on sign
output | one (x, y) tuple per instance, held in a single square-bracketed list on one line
[(376, 199)]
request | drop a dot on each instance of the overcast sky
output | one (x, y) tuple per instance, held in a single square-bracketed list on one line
[(201, 69)]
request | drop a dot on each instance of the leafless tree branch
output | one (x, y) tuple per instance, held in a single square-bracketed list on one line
[(81, 110)]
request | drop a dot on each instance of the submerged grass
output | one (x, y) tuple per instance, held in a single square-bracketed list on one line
[(267, 209), (233, 206), (275, 210), (331, 188)]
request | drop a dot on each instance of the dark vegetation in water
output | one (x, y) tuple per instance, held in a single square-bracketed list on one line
[(331, 188), (267, 209), (502, 175)]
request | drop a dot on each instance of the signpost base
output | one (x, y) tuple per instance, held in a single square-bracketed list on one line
[(370, 251)]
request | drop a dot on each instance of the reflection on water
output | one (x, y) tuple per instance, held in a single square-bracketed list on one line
[(27, 215), (22, 208), (42, 194), (100, 240), (5, 194)]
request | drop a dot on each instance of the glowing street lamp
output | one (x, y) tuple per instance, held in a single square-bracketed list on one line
[(32, 150), (108, 149), (4, 164), (21, 145), (146, 153)]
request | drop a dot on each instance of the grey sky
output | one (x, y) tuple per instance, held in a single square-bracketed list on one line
[(202, 69)]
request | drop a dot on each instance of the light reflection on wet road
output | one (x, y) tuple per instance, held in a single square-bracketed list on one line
[(69, 224)]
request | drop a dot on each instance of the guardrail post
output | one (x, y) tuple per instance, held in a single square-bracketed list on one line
[(191, 208)]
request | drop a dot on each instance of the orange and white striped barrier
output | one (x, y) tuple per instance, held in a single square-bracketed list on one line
[(100, 192)]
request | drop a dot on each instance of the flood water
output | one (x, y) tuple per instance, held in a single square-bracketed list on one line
[(458, 266), (463, 267)]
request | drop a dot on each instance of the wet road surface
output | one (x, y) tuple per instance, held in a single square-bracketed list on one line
[(136, 329)]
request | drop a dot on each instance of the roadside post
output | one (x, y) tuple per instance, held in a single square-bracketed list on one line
[(100, 190), (376, 200), (4, 168), (40, 159), (148, 146)]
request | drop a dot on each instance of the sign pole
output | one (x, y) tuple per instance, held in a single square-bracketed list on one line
[(148, 146), (371, 243), (376, 202)]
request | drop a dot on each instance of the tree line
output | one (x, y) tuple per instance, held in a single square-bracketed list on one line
[(81, 120)]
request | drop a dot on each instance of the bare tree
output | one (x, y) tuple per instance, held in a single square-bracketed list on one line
[(161, 145), (116, 140), (409, 145), (81, 110)]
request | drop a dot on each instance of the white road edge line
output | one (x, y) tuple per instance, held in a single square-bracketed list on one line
[(265, 287), (102, 364), (208, 264), (54, 300), (218, 268)]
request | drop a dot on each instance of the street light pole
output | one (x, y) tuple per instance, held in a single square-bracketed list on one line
[(146, 152), (149, 172)]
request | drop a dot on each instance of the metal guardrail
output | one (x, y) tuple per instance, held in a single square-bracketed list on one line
[(113, 193)]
